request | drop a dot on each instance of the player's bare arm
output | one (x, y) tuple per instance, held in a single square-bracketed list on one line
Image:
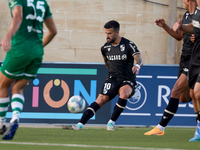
[(14, 26), (139, 63), (186, 28), (192, 38), (178, 35), (105, 61), (52, 31)]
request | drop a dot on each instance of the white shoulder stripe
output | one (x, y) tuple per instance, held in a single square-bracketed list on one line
[(132, 47)]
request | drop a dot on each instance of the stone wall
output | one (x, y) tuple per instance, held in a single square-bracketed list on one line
[(81, 33)]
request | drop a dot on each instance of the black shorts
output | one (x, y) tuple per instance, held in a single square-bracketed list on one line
[(112, 85), (184, 65), (194, 75)]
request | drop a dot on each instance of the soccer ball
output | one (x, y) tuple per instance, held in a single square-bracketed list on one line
[(76, 104)]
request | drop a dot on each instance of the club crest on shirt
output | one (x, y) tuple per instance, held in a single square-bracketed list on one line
[(124, 57), (108, 47), (122, 47)]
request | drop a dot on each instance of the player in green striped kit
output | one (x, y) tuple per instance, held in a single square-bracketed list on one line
[(24, 43)]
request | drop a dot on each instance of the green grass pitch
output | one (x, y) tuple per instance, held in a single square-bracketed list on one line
[(91, 138)]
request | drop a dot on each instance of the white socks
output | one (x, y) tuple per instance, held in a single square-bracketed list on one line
[(17, 104), (4, 102), (160, 127)]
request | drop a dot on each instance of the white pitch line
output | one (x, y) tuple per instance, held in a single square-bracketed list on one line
[(143, 76), (167, 77), (89, 146), (136, 114), (178, 115)]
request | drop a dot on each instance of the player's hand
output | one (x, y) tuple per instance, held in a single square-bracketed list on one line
[(135, 69), (6, 44), (177, 25), (160, 22), (192, 38)]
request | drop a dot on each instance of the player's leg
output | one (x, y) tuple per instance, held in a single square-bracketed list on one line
[(17, 101), (194, 101), (22, 69), (196, 93), (124, 93), (5, 83), (108, 91), (180, 86), (185, 95), (17, 104), (91, 110)]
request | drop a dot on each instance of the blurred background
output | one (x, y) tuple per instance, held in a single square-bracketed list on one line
[(81, 33)]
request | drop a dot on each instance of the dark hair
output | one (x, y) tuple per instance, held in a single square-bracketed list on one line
[(112, 24)]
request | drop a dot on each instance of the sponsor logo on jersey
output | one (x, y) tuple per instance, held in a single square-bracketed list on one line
[(117, 57), (196, 23), (185, 69), (108, 46), (122, 47), (114, 57)]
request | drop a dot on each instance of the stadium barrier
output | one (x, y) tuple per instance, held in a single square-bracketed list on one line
[(46, 97)]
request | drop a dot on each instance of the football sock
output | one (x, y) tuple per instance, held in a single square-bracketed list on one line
[(89, 113), (196, 114), (17, 104), (118, 109), (197, 129), (4, 103), (111, 121), (198, 123), (169, 112), (160, 127)]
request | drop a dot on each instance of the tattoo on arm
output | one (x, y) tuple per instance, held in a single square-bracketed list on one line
[(138, 59), (105, 60)]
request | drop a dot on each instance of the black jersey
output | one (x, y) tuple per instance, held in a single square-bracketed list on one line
[(195, 57), (187, 43), (120, 58)]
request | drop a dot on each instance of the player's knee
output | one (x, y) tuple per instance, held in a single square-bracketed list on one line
[(102, 99), (125, 94), (197, 95), (184, 99), (176, 92), (16, 89)]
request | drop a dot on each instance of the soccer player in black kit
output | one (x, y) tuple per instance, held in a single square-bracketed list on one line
[(181, 90), (194, 67), (119, 54)]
